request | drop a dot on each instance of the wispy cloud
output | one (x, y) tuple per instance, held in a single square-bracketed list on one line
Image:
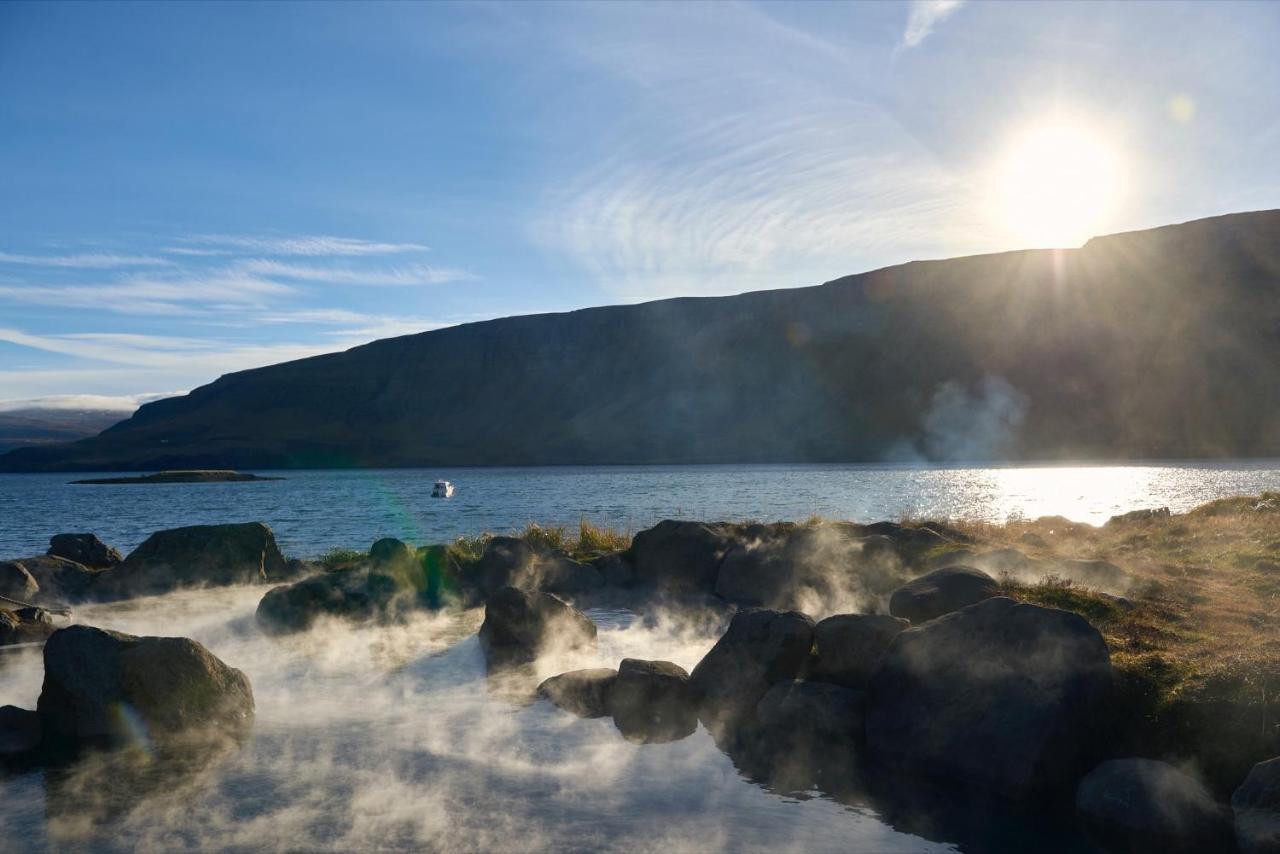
[(123, 403), (924, 16), (414, 274), (90, 261), (154, 296), (308, 245)]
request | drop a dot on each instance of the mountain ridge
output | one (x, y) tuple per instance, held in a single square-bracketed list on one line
[(1153, 343)]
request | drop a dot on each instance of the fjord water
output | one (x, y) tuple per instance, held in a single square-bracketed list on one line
[(378, 737), (312, 511)]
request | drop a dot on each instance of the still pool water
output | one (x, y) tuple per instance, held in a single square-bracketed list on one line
[(312, 511)]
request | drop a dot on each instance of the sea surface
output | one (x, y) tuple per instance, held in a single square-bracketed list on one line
[(377, 737), (313, 511)]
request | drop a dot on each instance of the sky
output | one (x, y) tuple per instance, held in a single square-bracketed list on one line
[(192, 189)]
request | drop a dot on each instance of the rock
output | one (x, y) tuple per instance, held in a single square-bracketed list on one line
[(912, 542), (999, 695), (1133, 516), (1256, 805), (25, 625), (1005, 562), (20, 731), (512, 562), (807, 716), (850, 646), (652, 702), (16, 582), (759, 648), (502, 564), (585, 693), (84, 549), (941, 592), (1146, 805), (615, 570), (61, 580), (1032, 540), (441, 576), (296, 607), (521, 626), (165, 687), (556, 572), (790, 568), (1093, 573), (680, 556), (196, 556), (391, 551)]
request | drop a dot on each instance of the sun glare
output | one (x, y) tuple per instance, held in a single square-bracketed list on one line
[(1058, 184)]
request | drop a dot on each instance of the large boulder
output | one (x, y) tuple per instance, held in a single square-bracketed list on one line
[(808, 716), (24, 625), (759, 648), (803, 568), (196, 556), (680, 556), (390, 551), (296, 607), (585, 693), (651, 702), (1256, 805), (1101, 574), (20, 731), (84, 549), (60, 579), (110, 687), (16, 582), (512, 562), (502, 564), (520, 626), (999, 695), (941, 592), (1146, 805), (848, 647)]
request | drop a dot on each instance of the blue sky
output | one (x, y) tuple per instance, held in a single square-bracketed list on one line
[(194, 189)]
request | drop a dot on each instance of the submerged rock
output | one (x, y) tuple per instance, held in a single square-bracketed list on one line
[(16, 582), (585, 693), (849, 647), (680, 556), (651, 702), (941, 592), (195, 556), (808, 716), (759, 648), (84, 549), (1146, 805), (1000, 695), (1256, 805), (115, 688), (520, 626)]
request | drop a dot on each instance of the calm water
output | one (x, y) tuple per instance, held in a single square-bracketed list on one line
[(312, 511)]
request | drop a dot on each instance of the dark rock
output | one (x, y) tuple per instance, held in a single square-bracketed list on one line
[(807, 716), (850, 646), (1133, 516), (441, 577), (502, 564), (521, 626), (800, 568), (941, 592), (390, 551), (61, 580), (998, 695), (296, 607), (16, 582), (759, 648), (556, 572), (1005, 562), (1256, 805), (585, 693), (20, 731), (84, 549), (25, 625), (912, 542), (652, 702), (1146, 805), (615, 570), (196, 556), (1092, 573), (1032, 540), (170, 687), (680, 556)]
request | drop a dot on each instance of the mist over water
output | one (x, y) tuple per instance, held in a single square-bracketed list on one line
[(392, 737), (312, 511)]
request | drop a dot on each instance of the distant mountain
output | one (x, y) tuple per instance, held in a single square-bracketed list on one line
[(39, 426), (1151, 344)]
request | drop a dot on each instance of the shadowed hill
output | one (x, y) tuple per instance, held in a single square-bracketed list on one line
[(37, 425), (1159, 343)]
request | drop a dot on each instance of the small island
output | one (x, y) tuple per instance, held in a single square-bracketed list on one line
[(183, 476)]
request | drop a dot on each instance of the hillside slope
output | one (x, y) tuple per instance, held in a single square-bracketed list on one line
[(1159, 343)]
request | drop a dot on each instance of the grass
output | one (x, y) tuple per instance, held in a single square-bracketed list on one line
[(336, 559)]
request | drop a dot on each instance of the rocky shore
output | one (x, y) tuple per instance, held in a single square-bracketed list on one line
[(182, 476), (1041, 665)]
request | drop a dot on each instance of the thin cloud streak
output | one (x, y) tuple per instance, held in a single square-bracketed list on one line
[(123, 403), (92, 261), (307, 245), (924, 16), (416, 274)]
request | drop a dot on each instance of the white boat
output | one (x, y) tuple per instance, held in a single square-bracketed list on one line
[(442, 489)]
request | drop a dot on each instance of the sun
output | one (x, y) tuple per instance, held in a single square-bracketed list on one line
[(1058, 183)]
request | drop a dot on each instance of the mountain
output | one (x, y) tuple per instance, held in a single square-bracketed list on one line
[(43, 426), (1162, 343)]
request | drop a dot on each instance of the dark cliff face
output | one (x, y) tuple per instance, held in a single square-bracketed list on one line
[(1160, 343)]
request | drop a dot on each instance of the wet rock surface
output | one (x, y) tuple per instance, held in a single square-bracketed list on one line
[(521, 626), (1147, 805), (585, 693), (1256, 807), (652, 703)]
